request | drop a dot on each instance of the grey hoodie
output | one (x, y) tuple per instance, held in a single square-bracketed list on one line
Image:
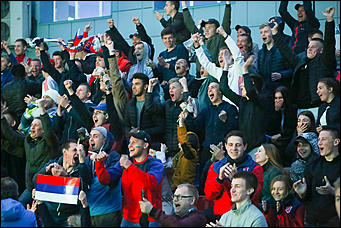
[(298, 166), (141, 66)]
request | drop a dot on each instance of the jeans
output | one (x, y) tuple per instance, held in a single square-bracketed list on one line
[(126, 223)]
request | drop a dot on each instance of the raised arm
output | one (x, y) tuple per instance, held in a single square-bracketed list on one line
[(283, 11), (188, 19), (312, 20), (227, 18), (329, 39)]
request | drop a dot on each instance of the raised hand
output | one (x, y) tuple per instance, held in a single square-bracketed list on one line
[(158, 15), (63, 101), (274, 29), (136, 21), (184, 5), (329, 14), (3, 109), (87, 28), (216, 224), (300, 187), (221, 31), (82, 198), (80, 151), (68, 84)]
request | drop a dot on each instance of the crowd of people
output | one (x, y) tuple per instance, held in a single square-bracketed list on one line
[(252, 139)]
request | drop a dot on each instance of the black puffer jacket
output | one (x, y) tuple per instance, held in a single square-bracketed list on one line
[(307, 72), (151, 122), (170, 110)]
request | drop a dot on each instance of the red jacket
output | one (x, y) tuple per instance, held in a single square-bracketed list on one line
[(23, 58), (146, 175), (123, 63), (291, 214), (220, 192)]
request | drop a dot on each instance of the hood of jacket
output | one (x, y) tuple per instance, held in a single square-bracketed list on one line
[(11, 210), (109, 140), (312, 139)]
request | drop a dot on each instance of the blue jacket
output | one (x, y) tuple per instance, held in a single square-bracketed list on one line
[(104, 199), (13, 214), (6, 77)]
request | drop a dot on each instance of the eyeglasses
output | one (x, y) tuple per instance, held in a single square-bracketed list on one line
[(180, 197)]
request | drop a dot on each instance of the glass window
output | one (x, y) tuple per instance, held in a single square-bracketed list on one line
[(71, 10)]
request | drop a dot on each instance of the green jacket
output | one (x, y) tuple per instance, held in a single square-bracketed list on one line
[(39, 151), (215, 43), (270, 172)]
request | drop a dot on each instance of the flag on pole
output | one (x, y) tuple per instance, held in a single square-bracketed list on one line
[(57, 189)]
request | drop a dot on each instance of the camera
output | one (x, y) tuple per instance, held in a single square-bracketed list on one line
[(277, 20)]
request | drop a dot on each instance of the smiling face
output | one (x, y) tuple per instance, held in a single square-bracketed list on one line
[(169, 8), (214, 93), (324, 92), (301, 14), (139, 51), (136, 147), (19, 48), (327, 143), (266, 35), (183, 205), (181, 67), (36, 128), (238, 190), (168, 40), (36, 68), (279, 190), (96, 140), (175, 91), (235, 147), (304, 150), (210, 31), (99, 117), (261, 157), (314, 48), (70, 156)]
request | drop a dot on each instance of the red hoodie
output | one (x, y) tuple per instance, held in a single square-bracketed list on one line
[(123, 63)]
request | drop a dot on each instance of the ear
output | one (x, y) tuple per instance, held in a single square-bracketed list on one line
[(250, 191), (13, 123), (145, 87), (336, 142), (88, 94), (321, 50), (245, 147), (106, 116), (145, 145)]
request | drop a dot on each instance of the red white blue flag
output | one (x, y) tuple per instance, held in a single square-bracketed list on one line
[(57, 189)]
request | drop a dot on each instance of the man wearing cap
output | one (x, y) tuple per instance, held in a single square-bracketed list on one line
[(122, 45), (213, 40), (102, 113), (245, 44), (305, 23), (176, 21), (315, 188), (105, 202), (143, 174)]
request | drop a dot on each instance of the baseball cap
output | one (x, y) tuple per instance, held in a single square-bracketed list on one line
[(102, 130), (140, 134), (99, 107), (297, 6), (134, 34), (210, 21), (247, 29), (300, 139)]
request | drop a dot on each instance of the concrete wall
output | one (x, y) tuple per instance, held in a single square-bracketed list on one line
[(250, 13)]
